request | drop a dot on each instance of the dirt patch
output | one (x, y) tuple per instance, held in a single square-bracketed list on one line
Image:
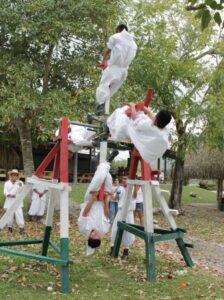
[(205, 226)]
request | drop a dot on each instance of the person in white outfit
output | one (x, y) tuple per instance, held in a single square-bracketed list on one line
[(12, 188), (147, 132), (121, 48), (93, 221), (127, 238), (39, 198), (138, 195)]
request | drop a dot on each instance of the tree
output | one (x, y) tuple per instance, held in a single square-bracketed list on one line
[(115, 165), (213, 134), (206, 11), (48, 50), (210, 159), (207, 164), (173, 58)]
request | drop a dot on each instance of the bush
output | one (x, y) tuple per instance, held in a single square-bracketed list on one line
[(207, 185), (203, 184)]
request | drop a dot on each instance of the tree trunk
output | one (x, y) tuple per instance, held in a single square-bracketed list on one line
[(26, 146), (178, 172), (220, 198), (178, 180)]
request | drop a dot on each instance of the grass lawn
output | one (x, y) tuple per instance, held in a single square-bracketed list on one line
[(203, 196), (99, 277)]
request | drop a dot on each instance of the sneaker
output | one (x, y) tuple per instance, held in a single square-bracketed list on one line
[(112, 155), (30, 218), (10, 229), (100, 109), (89, 118), (125, 254), (21, 231), (109, 253), (106, 128), (39, 218)]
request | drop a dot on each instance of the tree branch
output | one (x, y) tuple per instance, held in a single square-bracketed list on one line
[(195, 7), (209, 52), (47, 70)]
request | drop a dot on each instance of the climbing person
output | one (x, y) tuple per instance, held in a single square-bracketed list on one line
[(121, 50), (146, 131), (93, 221)]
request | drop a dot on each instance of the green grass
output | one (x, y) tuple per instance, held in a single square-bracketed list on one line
[(203, 196), (78, 192), (99, 277)]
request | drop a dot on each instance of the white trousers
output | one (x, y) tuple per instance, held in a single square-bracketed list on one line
[(111, 80), (19, 218), (127, 238), (37, 207)]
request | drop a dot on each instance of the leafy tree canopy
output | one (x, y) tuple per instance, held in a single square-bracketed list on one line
[(207, 10), (48, 52)]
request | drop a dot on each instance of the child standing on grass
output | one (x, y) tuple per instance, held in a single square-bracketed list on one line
[(12, 188)]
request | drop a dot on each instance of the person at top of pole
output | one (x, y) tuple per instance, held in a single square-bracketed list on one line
[(121, 50)]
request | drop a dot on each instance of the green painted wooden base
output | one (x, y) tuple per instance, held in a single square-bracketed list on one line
[(46, 240), (64, 269), (63, 261), (150, 239)]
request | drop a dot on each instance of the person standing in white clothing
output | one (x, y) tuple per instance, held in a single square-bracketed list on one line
[(39, 198), (127, 238), (139, 203), (121, 49), (113, 204), (12, 188)]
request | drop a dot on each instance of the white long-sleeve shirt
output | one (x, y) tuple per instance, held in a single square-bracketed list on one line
[(122, 200), (40, 187), (150, 140), (127, 238), (96, 219), (123, 49), (11, 188)]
